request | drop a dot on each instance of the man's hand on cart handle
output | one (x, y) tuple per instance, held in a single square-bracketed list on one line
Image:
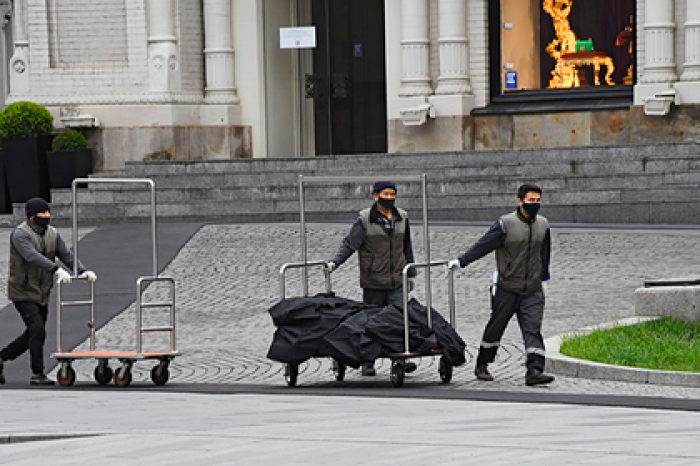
[(62, 276), (454, 264), (89, 275), (331, 266)]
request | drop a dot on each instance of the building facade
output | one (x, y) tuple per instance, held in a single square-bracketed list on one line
[(209, 79)]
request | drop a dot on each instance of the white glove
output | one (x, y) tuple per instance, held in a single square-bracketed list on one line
[(331, 266), (454, 264), (62, 276), (89, 275)]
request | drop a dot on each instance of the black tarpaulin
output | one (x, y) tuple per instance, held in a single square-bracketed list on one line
[(354, 333)]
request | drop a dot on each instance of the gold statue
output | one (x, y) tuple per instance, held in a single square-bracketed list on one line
[(563, 50)]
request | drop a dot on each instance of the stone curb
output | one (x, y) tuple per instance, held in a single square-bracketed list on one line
[(39, 437), (560, 364)]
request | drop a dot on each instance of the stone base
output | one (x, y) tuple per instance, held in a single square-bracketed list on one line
[(670, 301), (113, 147), (581, 129), (441, 134)]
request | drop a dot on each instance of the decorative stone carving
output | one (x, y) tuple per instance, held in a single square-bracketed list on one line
[(415, 42), (162, 47), (454, 48), (659, 36), (219, 53), (691, 66)]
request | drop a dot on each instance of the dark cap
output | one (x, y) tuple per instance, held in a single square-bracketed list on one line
[(36, 205), (380, 185)]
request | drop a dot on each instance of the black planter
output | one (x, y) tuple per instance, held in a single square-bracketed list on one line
[(65, 166), (26, 168), (5, 201)]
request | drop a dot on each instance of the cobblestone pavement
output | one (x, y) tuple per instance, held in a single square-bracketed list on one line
[(227, 278)]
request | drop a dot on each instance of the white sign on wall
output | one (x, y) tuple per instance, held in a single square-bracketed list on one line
[(298, 38)]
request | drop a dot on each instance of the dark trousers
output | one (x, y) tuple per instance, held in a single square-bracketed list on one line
[(383, 297), (529, 310), (34, 317)]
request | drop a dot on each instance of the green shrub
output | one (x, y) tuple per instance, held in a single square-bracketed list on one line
[(24, 120), (69, 141)]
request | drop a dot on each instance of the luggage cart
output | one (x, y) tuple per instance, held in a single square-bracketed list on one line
[(103, 372), (398, 360)]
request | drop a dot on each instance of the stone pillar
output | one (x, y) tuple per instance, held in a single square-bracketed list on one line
[(659, 37), (163, 53), (691, 66), (219, 53), (454, 53), (19, 63), (415, 42)]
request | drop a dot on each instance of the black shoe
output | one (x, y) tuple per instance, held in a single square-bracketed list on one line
[(410, 367), (535, 377), (368, 370), (40, 379), (2, 376), (482, 373)]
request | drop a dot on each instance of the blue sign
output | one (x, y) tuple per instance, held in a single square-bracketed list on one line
[(511, 79)]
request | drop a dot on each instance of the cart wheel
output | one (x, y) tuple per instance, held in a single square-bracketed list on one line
[(66, 376), (103, 374), (160, 374), (398, 371), (445, 370), (291, 372), (122, 377), (339, 369)]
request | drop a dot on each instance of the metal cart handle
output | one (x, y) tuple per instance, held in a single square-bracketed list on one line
[(450, 295), (304, 265)]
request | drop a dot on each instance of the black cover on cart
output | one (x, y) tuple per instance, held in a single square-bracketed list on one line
[(354, 333)]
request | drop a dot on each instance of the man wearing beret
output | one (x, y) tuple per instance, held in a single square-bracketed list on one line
[(34, 248), (382, 236)]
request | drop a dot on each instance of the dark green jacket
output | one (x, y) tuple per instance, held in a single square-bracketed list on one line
[(33, 263), (382, 257)]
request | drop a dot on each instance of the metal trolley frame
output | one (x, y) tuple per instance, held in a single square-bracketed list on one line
[(398, 360), (103, 372)]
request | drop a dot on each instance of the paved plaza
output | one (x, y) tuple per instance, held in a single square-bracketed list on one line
[(227, 278)]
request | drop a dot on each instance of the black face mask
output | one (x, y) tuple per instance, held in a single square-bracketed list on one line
[(386, 203), (531, 208), (42, 222)]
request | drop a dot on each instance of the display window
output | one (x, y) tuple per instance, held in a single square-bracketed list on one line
[(564, 44)]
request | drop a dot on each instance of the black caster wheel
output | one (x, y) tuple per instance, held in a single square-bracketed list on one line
[(66, 376), (398, 372), (103, 374), (291, 372), (122, 377), (339, 369), (160, 373), (445, 370)]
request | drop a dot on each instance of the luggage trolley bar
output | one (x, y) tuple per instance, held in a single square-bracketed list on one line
[(103, 373), (304, 266)]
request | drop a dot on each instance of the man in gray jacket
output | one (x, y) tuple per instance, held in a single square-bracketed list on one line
[(382, 237), (34, 247), (522, 243)]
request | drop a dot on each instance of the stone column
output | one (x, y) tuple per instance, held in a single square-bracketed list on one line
[(219, 53), (454, 52), (415, 41), (163, 53), (19, 63), (659, 37), (691, 66)]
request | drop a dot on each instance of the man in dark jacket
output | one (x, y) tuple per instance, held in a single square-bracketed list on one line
[(382, 237), (522, 243), (34, 247)]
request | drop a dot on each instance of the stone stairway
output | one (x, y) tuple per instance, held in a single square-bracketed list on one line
[(656, 184)]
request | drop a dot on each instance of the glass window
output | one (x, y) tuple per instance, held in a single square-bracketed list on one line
[(566, 44)]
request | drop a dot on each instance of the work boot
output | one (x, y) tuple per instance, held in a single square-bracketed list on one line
[(482, 373), (410, 367), (368, 369), (40, 379), (2, 376), (535, 377)]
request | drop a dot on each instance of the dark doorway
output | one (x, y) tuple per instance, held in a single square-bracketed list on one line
[(348, 83)]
